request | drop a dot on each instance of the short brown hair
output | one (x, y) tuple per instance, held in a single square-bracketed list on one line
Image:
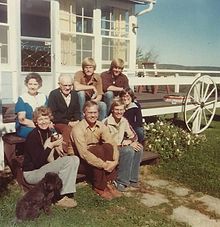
[(129, 91), (42, 111), (89, 104), (117, 62), (35, 76), (116, 102), (88, 61)]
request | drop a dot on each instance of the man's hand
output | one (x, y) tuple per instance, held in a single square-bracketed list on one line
[(110, 165), (137, 146)]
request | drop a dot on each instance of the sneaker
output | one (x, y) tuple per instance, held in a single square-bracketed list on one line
[(113, 190), (134, 185), (66, 202), (105, 194), (120, 187)]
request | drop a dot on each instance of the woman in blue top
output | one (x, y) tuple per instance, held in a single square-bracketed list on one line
[(27, 103), (133, 112)]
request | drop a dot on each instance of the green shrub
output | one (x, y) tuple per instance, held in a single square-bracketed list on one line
[(170, 141)]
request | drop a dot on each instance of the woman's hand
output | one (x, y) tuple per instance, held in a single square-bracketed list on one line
[(53, 144)]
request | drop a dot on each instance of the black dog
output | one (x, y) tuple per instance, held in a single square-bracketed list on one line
[(46, 192)]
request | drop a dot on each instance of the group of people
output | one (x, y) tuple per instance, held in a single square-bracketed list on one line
[(99, 131)]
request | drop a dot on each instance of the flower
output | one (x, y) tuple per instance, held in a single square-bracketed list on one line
[(169, 140)]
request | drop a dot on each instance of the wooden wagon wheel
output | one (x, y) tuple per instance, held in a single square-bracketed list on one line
[(200, 104)]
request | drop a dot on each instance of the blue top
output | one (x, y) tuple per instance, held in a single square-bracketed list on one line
[(28, 103)]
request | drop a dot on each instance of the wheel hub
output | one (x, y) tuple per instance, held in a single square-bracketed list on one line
[(202, 104)]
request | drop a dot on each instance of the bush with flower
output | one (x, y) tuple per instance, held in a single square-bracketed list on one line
[(170, 141)]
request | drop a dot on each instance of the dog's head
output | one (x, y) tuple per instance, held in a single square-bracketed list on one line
[(52, 182)]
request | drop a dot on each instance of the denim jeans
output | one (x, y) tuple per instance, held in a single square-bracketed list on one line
[(102, 106), (140, 133), (129, 164), (108, 97)]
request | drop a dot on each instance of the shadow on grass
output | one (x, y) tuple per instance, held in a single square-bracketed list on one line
[(5, 180), (216, 118)]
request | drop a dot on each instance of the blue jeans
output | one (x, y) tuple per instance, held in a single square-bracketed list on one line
[(129, 163), (108, 97), (102, 106), (140, 133)]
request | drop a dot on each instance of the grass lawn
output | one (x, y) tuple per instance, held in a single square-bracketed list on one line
[(199, 169), (91, 211)]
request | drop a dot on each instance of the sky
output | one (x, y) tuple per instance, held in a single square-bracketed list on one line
[(184, 32)]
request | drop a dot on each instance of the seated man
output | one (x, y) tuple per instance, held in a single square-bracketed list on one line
[(89, 86), (97, 151), (130, 151), (113, 81), (64, 104)]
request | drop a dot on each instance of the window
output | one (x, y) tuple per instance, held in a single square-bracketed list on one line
[(77, 38), (36, 56), (115, 35), (4, 31), (35, 18), (36, 36)]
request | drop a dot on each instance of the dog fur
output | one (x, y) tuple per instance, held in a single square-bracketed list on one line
[(40, 197)]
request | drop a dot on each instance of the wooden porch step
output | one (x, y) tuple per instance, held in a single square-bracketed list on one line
[(150, 158)]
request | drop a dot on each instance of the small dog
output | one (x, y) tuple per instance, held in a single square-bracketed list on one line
[(46, 192)]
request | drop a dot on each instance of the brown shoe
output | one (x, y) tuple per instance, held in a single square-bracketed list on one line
[(114, 192), (105, 194), (66, 202)]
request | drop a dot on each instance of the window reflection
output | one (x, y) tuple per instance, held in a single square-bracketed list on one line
[(3, 13), (35, 18), (35, 56)]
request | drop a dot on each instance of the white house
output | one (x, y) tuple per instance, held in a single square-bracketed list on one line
[(53, 36)]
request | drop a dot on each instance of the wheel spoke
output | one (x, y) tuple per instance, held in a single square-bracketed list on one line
[(202, 93), (211, 102), (207, 88), (193, 115), (195, 101), (192, 107), (199, 118), (198, 93), (204, 115), (209, 94), (208, 110)]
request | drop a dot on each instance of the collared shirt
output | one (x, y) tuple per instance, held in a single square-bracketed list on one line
[(67, 99), (95, 80), (83, 136), (121, 130), (119, 81)]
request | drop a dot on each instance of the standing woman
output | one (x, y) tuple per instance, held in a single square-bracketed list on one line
[(27, 103), (39, 157), (133, 112)]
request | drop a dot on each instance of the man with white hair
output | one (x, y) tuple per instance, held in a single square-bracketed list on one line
[(64, 104)]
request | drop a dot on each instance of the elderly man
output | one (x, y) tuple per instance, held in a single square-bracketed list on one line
[(89, 86), (113, 81), (64, 104), (97, 151)]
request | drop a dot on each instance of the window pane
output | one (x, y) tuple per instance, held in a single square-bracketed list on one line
[(68, 47), (85, 7), (35, 56), (3, 13), (3, 1), (4, 42), (35, 18), (112, 48)]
